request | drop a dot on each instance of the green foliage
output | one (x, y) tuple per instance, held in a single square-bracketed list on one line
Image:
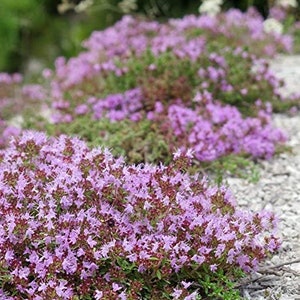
[(218, 286), (33, 29), (209, 285), (17, 19), (143, 141), (234, 165), (167, 9), (8, 36), (138, 142)]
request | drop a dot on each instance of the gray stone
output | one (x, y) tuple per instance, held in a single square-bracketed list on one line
[(279, 191)]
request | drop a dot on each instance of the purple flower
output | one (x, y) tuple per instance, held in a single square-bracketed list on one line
[(70, 264), (98, 295), (63, 291), (176, 294), (116, 287), (182, 218)]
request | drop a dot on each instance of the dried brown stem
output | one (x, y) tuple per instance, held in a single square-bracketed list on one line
[(265, 271), (280, 265)]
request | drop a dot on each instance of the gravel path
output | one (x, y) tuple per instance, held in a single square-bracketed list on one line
[(278, 190)]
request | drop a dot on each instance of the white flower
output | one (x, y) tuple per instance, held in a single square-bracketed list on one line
[(128, 6), (83, 5), (217, 2), (16, 121), (287, 3), (210, 7), (273, 26), (99, 295)]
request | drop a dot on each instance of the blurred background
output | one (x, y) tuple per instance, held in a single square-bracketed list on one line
[(34, 32)]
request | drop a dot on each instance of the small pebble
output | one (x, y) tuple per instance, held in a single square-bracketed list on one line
[(278, 190)]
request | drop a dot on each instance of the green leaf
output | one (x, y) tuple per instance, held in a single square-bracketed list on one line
[(158, 274), (153, 258)]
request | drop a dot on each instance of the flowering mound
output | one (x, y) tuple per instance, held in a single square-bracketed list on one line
[(79, 224), (182, 78), (170, 61), (213, 130), (198, 82)]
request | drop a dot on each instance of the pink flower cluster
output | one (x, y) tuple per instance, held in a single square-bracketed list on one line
[(213, 130), (78, 87), (132, 37), (10, 79), (73, 220), (209, 127)]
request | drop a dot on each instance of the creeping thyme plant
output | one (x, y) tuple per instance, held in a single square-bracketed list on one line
[(179, 81), (80, 224)]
